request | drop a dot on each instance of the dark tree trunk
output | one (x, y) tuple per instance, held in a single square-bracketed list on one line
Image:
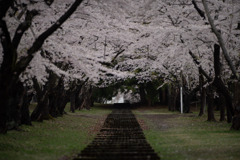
[(203, 95), (172, 98), (169, 97), (15, 109), (166, 96), (63, 103), (236, 122), (210, 100), (163, 96), (41, 112), (58, 99), (11, 69), (25, 114), (203, 102), (160, 94), (11, 94), (188, 98), (79, 96), (222, 105), (44, 97), (87, 97), (218, 83), (236, 97), (7, 86), (142, 94), (53, 104), (24, 106), (73, 101)]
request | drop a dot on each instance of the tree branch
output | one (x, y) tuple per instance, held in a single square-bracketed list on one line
[(220, 40), (118, 53), (200, 12), (23, 27), (23, 63), (200, 67)]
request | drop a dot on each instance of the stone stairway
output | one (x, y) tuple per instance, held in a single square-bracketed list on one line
[(121, 138)]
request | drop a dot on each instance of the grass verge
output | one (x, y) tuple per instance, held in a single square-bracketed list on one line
[(60, 138), (187, 136)]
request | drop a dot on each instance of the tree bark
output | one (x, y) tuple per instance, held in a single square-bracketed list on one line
[(218, 83), (10, 69), (172, 98), (87, 97), (220, 40), (222, 107), (163, 95), (210, 104), (41, 111), (142, 94), (203, 96), (73, 101)]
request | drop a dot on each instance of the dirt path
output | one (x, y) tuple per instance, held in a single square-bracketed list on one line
[(121, 138)]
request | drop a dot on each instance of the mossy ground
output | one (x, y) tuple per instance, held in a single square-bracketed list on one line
[(59, 138), (188, 137), (172, 135)]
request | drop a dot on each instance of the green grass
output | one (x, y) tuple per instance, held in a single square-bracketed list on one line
[(190, 137), (177, 137), (53, 139)]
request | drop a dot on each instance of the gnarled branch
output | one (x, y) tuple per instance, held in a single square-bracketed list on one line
[(23, 63)]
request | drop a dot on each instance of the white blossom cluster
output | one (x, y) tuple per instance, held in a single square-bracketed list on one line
[(156, 36)]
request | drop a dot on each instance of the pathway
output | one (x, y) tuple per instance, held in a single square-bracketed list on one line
[(121, 138)]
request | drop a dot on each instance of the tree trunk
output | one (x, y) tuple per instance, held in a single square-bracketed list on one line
[(188, 98), (24, 106), (203, 102), (172, 98), (79, 97), (218, 83), (236, 122), (222, 105), (53, 104), (10, 95), (142, 94), (87, 100), (203, 95), (210, 104), (5, 97), (41, 112), (73, 101), (160, 95), (169, 97), (10, 69), (163, 95)]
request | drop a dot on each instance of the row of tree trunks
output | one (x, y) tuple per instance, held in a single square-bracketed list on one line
[(11, 67), (52, 98)]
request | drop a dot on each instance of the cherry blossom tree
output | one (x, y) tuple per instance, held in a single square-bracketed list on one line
[(173, 43), (13, 64)]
